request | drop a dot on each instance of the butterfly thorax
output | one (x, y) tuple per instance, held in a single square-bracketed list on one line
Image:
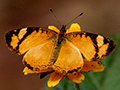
[(61, 35), (60, 40)]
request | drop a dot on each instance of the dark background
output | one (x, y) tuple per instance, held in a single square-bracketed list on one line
[(100, 16)]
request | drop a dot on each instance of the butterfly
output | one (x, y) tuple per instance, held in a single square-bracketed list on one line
[(48, 49)]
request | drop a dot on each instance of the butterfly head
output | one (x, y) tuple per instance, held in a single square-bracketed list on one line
[(63, 29)]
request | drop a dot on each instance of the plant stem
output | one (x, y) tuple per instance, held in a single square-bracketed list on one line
[(77, 86)]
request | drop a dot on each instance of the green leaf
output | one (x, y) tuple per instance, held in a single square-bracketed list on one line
[(109, 79)]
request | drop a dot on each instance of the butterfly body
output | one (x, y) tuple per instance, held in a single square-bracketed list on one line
[(60, 40), (51, 49)]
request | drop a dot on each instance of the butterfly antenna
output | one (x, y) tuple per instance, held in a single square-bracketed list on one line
[(55, 17), (74, 18)]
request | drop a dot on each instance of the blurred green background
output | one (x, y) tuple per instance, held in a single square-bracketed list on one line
[(100, 17)]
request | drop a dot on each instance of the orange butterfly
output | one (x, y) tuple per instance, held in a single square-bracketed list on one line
[(59, 50)]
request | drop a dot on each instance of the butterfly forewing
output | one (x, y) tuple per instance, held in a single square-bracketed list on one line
[(21, 40), (92, 46)]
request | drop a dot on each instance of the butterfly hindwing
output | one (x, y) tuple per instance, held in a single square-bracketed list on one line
[(38, 58), (92, 46), (69, 60), (21, 40)]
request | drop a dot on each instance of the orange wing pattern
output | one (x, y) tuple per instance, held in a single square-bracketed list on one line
[(92, 46), (21, 40), (38, 58), (69, 60)]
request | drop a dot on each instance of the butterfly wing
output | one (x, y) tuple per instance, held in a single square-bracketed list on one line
[(92, 46), (21, 40), (38, 58), (69, 60)]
